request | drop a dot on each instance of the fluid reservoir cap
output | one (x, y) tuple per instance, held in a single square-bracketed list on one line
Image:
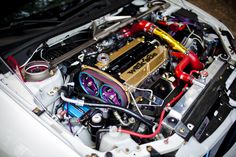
[(103, 59), (97, 118), (138, 2)]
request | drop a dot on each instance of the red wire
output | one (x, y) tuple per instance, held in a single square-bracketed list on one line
[(161, 117), (160, 120), (144, 135)]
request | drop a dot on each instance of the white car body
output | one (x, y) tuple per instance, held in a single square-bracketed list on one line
[(24, 134)]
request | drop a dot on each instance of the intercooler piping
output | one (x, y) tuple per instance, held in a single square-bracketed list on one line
[(188, 57)]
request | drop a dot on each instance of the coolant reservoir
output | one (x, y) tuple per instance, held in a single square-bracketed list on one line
[(113, 139)]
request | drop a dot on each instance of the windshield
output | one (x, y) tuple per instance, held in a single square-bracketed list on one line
[(27, 22), (35, 10)]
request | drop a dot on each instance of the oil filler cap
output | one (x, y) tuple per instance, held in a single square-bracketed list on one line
[(97, 118)]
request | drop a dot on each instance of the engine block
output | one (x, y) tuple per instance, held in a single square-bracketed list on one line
[(129, 65)]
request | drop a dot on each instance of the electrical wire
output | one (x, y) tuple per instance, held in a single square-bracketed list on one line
[(160, 120), (38, 102), (70, 125), (106, 105), (200, 42), (102, 101), (27, 61), (41, 55), (185, 41), (145, 135), (194, 33), (168, 105), (122, 109), (142, 89), (135, 103), (197, 38)]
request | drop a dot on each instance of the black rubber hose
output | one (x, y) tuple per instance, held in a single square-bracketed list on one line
[(149, 123), (92, 97), (98, 139), (103, 104)]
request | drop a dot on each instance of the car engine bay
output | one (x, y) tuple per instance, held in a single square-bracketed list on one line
[(141, 74)]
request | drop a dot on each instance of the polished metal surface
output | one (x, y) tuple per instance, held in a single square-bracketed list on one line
[(184, 104)]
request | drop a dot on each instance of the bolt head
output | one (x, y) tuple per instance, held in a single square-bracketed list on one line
[(181, 130), (149, 148), (204, 73)]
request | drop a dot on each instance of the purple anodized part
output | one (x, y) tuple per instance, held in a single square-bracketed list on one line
[(110, 95), (89, 84)]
